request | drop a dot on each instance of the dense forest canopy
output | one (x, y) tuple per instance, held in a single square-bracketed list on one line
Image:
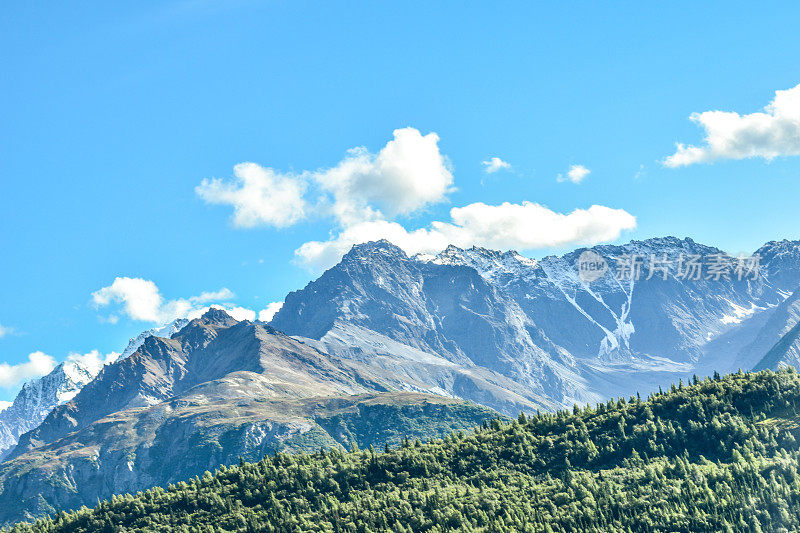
[(716, 455)]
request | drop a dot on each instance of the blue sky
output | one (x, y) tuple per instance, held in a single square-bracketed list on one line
[(114, 114)]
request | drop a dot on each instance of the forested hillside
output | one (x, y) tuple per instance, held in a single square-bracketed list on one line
[(716, 455)]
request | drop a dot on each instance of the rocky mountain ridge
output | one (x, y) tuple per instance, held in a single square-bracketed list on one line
[(560, 338)]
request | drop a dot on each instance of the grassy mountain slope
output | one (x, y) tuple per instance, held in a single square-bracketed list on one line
[(140, 448), (720, 455)]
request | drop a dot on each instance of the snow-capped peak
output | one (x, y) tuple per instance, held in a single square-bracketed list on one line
[(490, 264), (167, 330), (38, 397)]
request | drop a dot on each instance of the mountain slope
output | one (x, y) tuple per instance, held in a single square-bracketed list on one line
[(786, 352), (139, 448), (207, 348), (721, 455)]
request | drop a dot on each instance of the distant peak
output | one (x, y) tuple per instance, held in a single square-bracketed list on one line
[(381, 246), (218, 317)]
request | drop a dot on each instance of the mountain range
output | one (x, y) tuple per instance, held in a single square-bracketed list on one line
[(385, 345), (506, 331)]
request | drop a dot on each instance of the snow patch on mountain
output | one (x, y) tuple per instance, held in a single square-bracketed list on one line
[(739, 313), (490, 264)]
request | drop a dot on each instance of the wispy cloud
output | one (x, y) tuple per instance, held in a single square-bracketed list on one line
[(575, 174), (495, 164), (365, 194), (5, 330)]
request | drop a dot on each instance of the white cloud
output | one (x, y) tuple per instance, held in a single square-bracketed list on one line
[(259, 196), (406, 175), (4, 330), (364, 193), (38, 364), (575, 174), (4, 405), (238, 313), (93, 361), (728, 135), (524, 226), (495, 164), (223, 294), (265, 315), (141, 300)]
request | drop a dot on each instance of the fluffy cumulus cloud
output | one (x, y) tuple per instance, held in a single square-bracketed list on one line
[(495, 164), (506, 226), (94, 361), (38, 364), (770, 133), (265, 315), (259, 196), (405, 175), (575, 174), (140, 299), (4, 330), (366, 193)]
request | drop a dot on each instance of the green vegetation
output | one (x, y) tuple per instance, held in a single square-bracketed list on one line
[(719, 455), (139, 448)]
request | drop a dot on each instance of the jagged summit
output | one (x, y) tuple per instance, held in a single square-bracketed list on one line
[(217, 316), (374, 250)]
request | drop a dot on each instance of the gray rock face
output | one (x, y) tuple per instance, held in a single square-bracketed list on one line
[(37, 399), (450, 312), (543, 327)]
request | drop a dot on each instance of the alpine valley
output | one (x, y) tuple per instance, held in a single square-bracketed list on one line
[(385, 347)]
